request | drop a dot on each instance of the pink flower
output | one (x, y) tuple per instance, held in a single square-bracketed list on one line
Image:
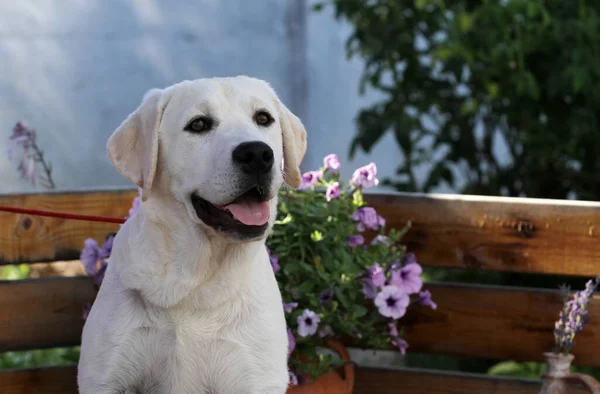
[(331, 161), (392, 302), (310, 179), (365, 176), (408, 278), (333, 191)]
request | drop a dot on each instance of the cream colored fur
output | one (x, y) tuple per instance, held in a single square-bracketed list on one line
[(182, 309)]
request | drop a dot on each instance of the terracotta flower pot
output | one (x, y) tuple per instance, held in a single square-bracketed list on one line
[(331, 382), (558, 376)]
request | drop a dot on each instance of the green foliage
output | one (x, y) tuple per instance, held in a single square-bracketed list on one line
[(14, 272), (533, 370), (521, 370), (456, 77), (39, 358)]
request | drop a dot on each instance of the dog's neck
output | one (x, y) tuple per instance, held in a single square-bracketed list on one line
[(170, 259)]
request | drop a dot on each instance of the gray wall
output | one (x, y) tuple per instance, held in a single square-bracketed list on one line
[(75, 69)]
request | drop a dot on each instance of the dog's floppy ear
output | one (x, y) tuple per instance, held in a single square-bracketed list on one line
[(133, 147), (294, 145)]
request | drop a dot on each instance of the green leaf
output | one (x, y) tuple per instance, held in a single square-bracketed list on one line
[(465, 21)]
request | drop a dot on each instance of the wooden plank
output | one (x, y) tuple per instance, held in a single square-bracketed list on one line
[(41, 313), (504, 234), (51, 380), (419, 381), (26, 238), (63, 380), (473, 321), (498, 323), (495, 233)]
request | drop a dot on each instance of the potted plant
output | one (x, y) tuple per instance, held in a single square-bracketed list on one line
[(335, 285), (333, 282)]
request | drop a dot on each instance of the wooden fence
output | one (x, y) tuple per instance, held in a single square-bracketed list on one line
[(499, 234)]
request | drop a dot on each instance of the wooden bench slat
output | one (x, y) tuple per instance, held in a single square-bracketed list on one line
[(26, 238), (419, 381), (497, 323), (50, 380), (502, 234), (42, 313), (473, 321), (63, 380)]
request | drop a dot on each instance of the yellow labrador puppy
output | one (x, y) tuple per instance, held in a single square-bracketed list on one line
[(189, 303)]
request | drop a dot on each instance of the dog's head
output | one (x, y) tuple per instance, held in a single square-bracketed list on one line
[(218, 145)]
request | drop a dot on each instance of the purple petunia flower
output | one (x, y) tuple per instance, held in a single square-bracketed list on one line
[(90, 254), (87, 307), (325, 296), (365, 176), (289, 306), (291, 342), (408, 278), (376, 274), (355, 240), (369, 289), (274, 260), (381, 239), (94, 258), (325, 332), (310, 179), (333, 191), (425, 299), (373, 278), (308, 322), (392, 302), (331, 161), (98, 277), (401, 344), (393, 329), (135, 204), (106, 248), (409, 258), (293, 379), (367, 218)]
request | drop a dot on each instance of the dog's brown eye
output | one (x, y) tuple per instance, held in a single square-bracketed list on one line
[(199, 125), (263, 118)]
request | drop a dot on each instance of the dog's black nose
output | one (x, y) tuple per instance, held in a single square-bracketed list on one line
[(254, 157)]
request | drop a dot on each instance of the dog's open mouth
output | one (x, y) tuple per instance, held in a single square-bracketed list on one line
[(247, 215)]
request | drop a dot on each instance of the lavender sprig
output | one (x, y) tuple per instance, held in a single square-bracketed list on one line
[(24, 136), (573, 316)]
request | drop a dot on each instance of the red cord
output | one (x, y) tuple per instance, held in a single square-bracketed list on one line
[(89, 218)]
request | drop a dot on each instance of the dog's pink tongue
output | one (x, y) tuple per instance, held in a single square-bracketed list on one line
[(251, 213)]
